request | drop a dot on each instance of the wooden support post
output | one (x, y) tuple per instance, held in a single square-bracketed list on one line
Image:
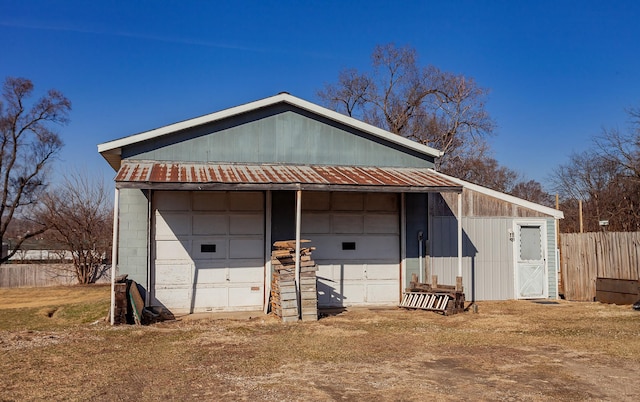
[(458, 284), (459, 234), (114, 257), (297, 255), (434, 281)]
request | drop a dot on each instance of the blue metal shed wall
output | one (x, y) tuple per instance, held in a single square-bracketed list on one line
[(487, 265), (277, 135), (132, 236)]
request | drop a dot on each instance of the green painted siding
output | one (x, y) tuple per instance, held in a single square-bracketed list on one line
[(277, 136), (133, 230), (552, 263)]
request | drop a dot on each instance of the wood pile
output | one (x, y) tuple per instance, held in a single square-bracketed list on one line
[(284, 295), (446, 299)]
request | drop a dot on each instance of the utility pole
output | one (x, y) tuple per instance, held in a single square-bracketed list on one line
[(580, 213)]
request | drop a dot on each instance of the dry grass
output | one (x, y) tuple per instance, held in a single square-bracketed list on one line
[(514, 350), (52, 308)]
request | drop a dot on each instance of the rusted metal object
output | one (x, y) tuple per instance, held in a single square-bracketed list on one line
[(141, 174)]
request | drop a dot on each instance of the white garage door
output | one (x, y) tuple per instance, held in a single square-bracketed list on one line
[(208, 250), (357, 244)]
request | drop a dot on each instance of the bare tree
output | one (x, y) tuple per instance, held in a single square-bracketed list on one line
[(350, 95), (622, 148), (532, 190), (480, 167), (79, 214), (623, 204), (606, 178), (436, 108), (608, 191), (585, 177), (28, 144)]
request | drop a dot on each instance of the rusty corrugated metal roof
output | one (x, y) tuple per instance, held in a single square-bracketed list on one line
[(169, 175)]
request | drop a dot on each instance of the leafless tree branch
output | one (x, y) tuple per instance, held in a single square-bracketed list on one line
[(28, 143)]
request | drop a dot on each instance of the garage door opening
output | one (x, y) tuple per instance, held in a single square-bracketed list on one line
[(208, 250), (357, 241)]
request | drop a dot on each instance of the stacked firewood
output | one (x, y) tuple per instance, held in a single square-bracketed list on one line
[(284, 296)]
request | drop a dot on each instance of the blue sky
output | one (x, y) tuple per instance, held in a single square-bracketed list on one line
[(558, 71)]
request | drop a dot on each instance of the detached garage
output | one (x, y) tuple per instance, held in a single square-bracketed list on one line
[(199, 204)]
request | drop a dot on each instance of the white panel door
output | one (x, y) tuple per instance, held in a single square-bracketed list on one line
[(208, 250), (531, 270), (357, 241)]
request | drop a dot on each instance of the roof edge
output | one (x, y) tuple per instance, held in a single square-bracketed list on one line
[(505, 197), (355, 123), (247, 107)]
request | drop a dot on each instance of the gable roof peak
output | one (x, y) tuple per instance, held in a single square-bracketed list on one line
[(111, 150)]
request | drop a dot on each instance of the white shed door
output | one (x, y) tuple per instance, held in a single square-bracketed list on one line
[(357, 244), (208, 250), (531, 272)]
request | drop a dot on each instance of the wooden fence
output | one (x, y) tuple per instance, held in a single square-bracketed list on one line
[(587, 256), (37, 275)]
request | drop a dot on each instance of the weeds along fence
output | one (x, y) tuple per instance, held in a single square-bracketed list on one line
[(40, 275), (587, 256)]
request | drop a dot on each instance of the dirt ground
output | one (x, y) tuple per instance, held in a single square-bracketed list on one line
[(509, 351)]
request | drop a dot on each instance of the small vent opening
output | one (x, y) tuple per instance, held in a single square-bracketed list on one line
[(207, 248)]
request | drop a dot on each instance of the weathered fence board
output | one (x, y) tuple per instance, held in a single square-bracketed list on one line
[(37, 275), (587, 256), (617, 291)]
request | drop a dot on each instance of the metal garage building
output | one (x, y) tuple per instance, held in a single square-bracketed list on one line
[(199, 204)]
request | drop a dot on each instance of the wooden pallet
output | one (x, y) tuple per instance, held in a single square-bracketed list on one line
[(446, 299), (425, 301)]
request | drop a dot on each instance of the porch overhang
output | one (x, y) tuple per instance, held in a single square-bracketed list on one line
[(233, 176)]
